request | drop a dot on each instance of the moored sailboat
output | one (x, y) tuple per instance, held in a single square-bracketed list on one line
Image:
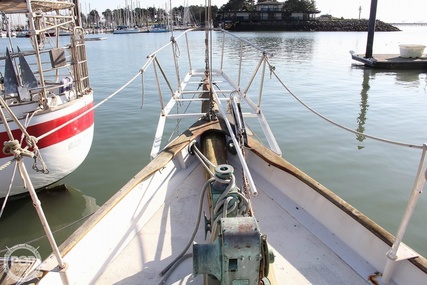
[(126, 30), (45, 96)]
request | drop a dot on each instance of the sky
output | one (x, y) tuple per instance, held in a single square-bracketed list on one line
[(391, 11)]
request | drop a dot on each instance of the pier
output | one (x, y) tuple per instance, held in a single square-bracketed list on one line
[(385, 61), (391, 61)]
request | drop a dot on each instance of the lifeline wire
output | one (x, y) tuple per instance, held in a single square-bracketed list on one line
[(91, 109), (272, 70)]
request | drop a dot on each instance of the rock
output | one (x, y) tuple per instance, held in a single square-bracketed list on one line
[(332, 25)]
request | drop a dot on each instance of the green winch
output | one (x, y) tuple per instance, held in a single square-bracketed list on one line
[(238, 253)]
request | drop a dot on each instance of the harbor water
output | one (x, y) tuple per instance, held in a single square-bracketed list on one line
[(374, 177)]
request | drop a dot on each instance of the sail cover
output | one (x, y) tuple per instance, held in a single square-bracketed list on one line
[(20, 6)]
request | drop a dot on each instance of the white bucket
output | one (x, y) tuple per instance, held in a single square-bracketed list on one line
[(411, 50)]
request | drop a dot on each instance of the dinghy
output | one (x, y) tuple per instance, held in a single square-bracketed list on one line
[(218, 204)]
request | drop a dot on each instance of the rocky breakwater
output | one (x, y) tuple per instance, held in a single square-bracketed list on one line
[(325, 26)]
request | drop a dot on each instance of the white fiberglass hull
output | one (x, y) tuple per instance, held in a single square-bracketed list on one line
[(62, 152), (317, 238), (126, 31)]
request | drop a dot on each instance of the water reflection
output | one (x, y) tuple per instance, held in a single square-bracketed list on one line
[(283, 45), (361, 119), (65, 208), (297, 48), (407, 78)]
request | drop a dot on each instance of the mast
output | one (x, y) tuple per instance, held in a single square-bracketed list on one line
[(207, 106)]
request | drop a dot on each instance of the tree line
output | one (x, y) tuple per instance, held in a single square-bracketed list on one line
[(143, 17)]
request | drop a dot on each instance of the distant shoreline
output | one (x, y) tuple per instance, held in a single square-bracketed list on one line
[(325, 26)]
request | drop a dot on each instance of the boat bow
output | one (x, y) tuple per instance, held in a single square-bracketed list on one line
[(266, 221)]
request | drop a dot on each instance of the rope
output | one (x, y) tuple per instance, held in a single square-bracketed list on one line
[(272, 71), (222, 208), (172, 268), (92, 108), (178, 259), (32, 142), (14, 147), (203, 159), (9, 190), (224, 203)]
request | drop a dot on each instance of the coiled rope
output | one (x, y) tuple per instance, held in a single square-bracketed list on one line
[(165, 273), (221, 210)]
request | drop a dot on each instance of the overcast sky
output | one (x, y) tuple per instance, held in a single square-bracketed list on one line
[(392, 11)]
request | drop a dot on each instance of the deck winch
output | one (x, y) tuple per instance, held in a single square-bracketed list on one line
[(224, 194), (238, 253)]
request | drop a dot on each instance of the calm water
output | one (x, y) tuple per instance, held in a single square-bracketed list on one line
[(375, 178)]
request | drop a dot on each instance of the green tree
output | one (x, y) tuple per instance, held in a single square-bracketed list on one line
[(141, 17), (299, 6), (108, 15), (151, 13), (93, 18), (238, 5)]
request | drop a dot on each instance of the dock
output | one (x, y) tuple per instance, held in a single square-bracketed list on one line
[(391, 61), (410, 57)]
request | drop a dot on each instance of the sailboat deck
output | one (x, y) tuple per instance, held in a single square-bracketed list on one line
[(300, 257)]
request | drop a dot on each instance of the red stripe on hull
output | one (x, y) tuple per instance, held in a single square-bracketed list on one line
[(62, 134)]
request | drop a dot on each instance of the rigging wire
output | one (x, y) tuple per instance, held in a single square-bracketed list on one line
[(272, 70), (150, 57), (409, 145)]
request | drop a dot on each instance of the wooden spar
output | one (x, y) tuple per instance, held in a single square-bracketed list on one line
[(213, 142), (371, 29)]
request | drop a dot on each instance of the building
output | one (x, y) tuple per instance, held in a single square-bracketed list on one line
[(265, 11)]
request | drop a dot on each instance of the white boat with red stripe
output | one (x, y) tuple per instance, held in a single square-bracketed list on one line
[(47, 115)]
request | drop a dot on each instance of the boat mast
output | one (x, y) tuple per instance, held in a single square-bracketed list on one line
[(77, 11), (208, 105)]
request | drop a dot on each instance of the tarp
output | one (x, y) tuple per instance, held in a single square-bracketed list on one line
[(20, 6)]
